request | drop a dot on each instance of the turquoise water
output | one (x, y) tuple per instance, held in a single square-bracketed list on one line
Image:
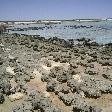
[(100, 31)]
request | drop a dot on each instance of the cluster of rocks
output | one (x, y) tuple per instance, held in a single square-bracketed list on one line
[(88, 74), (63, 84), (36, 101)]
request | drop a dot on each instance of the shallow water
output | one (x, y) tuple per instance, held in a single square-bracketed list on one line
[(100, 31)]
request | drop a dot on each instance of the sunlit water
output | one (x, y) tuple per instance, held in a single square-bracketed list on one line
[(101, 31)]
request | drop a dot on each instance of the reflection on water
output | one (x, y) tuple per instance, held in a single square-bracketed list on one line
[(98, 31)]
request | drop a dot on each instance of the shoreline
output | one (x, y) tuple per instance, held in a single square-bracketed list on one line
[(98, 31)]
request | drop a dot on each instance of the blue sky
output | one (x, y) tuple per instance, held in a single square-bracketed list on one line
[(54, 9)]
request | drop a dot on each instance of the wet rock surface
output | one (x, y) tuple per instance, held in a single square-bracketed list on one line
[(54, 75)]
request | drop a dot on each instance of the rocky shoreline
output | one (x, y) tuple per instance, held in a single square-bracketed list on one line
[(54, 75)]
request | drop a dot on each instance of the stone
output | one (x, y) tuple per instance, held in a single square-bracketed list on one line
[(62, 78), (10, 70), (2, 99), (1, 61), (108, 75), (16, 96), (91, 71), (66, 98), (50, 86), (12, 59)]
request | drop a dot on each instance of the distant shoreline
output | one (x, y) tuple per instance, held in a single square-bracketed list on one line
[(56, 20)]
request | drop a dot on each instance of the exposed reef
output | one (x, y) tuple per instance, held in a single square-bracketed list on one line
[(54, 75)]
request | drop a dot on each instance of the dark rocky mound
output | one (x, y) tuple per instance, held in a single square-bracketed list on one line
[(36, 101)]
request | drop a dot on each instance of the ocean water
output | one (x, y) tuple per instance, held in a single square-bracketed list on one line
[(100, 32)]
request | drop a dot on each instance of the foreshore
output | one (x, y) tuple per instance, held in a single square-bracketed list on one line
[(54, 75)]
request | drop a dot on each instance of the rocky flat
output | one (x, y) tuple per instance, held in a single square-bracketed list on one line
[(54, 75)]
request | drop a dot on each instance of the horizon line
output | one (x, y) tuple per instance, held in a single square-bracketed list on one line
[(56, 19)]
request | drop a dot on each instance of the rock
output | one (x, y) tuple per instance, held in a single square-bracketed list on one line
[(45, 77), (66, 98), (91, 43), (51, 86), (61, 88), (72, 71), (14, 86), (23, 107), (16, 96), (83, 39), (57, 70), (57, 58), (74, 85), (7, 89), (34, 95), (44, 104), (82, 51), (81, 94), (94, 86), (64, 60), (73, 64), (21, 76), (96, 109), (1, 45), (92, 93), (105, 62), (5, 86), (77, 78), (90, 65), (46, 94), (81, 105), (83, 63), (108, 75), (53, 72), (10, 70), (47, 63), (92, 53), (35, 48), (12, 59), (1, 61), (2, 99), (62, 78), (91, 71), (90, 59), (59, 42), (53, 109), (74, 77)]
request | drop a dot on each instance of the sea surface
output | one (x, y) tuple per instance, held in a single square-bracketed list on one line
[(100, 31)]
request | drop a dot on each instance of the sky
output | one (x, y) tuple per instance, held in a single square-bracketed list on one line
[(54, 9)]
